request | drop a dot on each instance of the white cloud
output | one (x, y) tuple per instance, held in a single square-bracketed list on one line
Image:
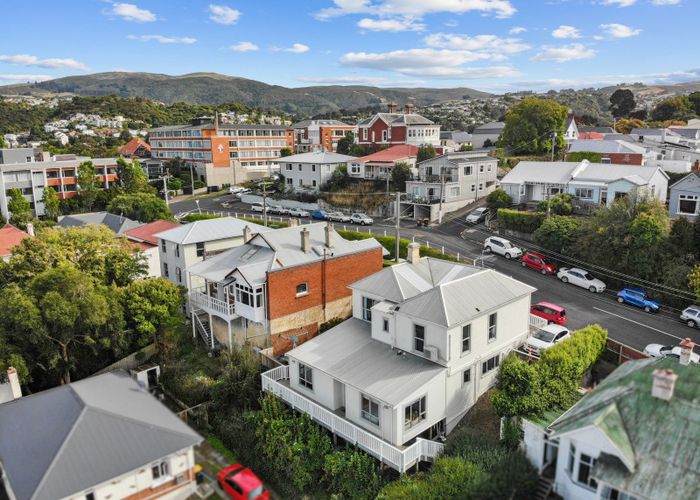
[(620, 3), (244, 47), (452, 23), (163, 39), (517, 30), (598, 37), (395, 25), (665, 2), (605, 80), (296, 48), (564, 53), (24, 78), (619, 30), (54, 63), (417, 8), (223, 15), (565, 31), (131, 12), (490, 44)]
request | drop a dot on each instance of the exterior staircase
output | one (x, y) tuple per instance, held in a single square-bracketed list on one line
[(201, 322), (544, 488)]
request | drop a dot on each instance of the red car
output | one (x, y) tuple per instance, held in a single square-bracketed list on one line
[(240, 483), (551, 312), (538, 262)]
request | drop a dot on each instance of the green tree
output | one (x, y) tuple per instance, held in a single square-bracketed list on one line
[(125, 135), (51, 203), (131, 177), (285, 152), (175, 184), (425, 152), (3, 144), (400, 173), (143, 207), (584, 155), (151, 307), (558, 233), (498, 198), (86, 184), (673, 108), (238, 387), (352, 474), (625, 125), (530, 125), (622, 103), (694, 100), (19, 208), (681, 239), (694, 281), (345, 143), (559, 204), (466, 147)]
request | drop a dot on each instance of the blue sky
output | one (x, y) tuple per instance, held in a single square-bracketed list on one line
[(493, 45)]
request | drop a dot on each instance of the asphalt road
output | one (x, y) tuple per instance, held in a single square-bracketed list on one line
[(625, 324)]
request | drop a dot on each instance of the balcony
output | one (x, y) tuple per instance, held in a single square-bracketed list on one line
[(397, 457), (212, 305)]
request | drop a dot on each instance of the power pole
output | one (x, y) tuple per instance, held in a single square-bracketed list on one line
[(192, 176), (554, 138), (264, 203), (398, 226), (442, 193), (165, 186)]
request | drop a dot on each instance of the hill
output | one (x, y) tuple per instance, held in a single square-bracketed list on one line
[(213, 88)]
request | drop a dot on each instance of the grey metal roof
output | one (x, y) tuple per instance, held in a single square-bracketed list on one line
[(558, 172), (209, 230), (72, 163), (323, 123), (116, 223), (606, 146), (455, 136), (653, 131), (490, 128), (319, 157), (252, 261), (564, 172), (62, 441), (349, 354), (460, 300), (600, 130), (689, 133)]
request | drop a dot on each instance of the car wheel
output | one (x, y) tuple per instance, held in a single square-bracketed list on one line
[(591, 289), (362, 223), (487, 249), (564, 279), (523, 264), (620, 300), (691, 323), (508, 256), (544, 271), (647, 309)]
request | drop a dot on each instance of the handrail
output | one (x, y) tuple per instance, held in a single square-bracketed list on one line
[(211, 304)]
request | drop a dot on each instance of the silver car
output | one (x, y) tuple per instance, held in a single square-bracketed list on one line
[(582, 278), (338, 217), (691, 316), (298, 212)]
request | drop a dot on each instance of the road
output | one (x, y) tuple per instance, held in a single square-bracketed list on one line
[(625, 324)]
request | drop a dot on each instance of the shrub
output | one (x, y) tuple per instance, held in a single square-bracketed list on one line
[(498, 199), (351, 474), (389, 242), (558, 205), (558, 233), (330, 324), (591, 156), (199, 184), (196, 217), (516, 220)]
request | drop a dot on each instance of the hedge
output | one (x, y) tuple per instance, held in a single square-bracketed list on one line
[(389, 242), (516, 220), (196, 217)]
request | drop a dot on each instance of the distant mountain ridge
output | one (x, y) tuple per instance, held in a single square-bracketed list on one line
[(213, 88)]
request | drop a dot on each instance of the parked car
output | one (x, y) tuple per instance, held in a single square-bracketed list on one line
[(240, 483), (551, 312), (582, 278), (338, 217), (361, 219), (297, 212), (478, 215), (502, 246), (691, 316), (319, 215), (666, 351), (258, 207), (277, 209), (546, 337), (238, 190), (638, 298), (240, 194), (538, 262)]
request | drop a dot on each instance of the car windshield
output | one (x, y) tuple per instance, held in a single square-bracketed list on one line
[(587, 276), (506, 244), (256, 492), (544, 336), (361, 216)]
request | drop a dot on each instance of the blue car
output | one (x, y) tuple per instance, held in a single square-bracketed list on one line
[(637, 298), (319, 215)]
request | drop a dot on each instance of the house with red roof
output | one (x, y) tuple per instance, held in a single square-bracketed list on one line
[(10, 237), (135, 148), (379, 165), (144, 237)]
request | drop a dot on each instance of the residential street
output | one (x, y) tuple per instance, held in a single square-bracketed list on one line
[(625, 324)]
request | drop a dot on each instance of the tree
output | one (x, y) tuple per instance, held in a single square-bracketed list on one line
[(694, 281), (125, 135), (498, 198), (86, 184), (584, 155), (681, 239), (488, 143), (285, 152), (51, 203), (622, 103), (625, 125), (557, 233), (3, 144), (131, 177), (175, 184), (152, 307), (143, 207), (400, 173), (425, 152), (559, 204), (466, 147), (19, 208), (238, 387), (694, 100), (673, 108), (530, 125), (345, 143)]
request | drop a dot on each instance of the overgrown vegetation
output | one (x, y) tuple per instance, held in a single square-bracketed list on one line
[(521, 221)]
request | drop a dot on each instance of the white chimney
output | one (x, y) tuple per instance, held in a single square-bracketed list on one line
[(247, 234), (293, 222), (13, 380), (329, 235), (687, 346), (30, 229), (305, 242), (413, 253), (663, 384)]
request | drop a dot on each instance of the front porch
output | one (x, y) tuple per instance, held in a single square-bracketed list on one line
[(200, 299)]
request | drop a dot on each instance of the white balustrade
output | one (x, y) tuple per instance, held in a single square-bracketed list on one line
[(211, 304)]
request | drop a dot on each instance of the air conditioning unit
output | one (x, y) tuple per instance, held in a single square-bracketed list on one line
[(431, 352)]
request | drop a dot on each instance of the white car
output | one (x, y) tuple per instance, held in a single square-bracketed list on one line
[(258, 207), (691, 316), (338, 217), (278, 209), (477, 216), (361, 219), (235, 189), (298, 212), (502, 246), (668, 351), (582, 278), (546, 337)]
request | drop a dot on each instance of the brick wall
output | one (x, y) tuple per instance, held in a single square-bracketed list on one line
[(624, 158)]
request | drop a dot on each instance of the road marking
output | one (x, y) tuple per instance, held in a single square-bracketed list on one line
[(637, 323)]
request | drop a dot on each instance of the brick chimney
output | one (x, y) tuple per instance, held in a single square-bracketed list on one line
[(408, 109), (392, 107), (663, 384), (696, 165), (329, 235), (687, 346), (13, 380), (413, 253), (30, 229), (247, 234), (305, 240)]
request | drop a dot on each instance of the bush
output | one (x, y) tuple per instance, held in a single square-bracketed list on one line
[(558, 233), (142, 207), (585, 155), (199, 184), (330, 324), (498, 199), (558, 205), (351, 474), (389, 242), (516, 220), (196, 217)]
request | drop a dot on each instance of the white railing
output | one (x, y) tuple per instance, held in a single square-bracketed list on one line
[(398, 458), (211, 304), (537, 322)]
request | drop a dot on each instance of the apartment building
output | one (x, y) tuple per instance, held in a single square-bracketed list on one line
[(60, 172), (223, 153), (278, 288), (319, 135), (449, 182), (424, 342), (398, 128), (310, 171)]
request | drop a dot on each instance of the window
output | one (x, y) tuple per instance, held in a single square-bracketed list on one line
[(177, 250), (364, 134), (288, 166), (290, 181), (313, 168), (370, 410), (306, 377), (490, 364), (165, 270), (313, 183), (466, 338), (385, 325), (418, 337), (468, 170), (687, 204), (90, 496), (247, 296), (200, 249), (178, 273), (584, 193), (609, 493), (481, 168), (300, 167), (159, 470), (572, 459), (473, 188), (302, 289), (367, 304), (585, 466), (467, 376), (414, 413), (492, 327), (163, 246)]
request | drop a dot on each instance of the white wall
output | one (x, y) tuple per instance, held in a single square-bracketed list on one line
[(153, 262), (323, 391)]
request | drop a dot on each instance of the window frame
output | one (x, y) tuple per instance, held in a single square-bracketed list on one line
[(467, 329), (200, 249), (306, 376), (490, 364), (493, 327), (421, 413), (367, 414), (467, 376), (418, 340), (367, 310), (589, 482), (304, 291)]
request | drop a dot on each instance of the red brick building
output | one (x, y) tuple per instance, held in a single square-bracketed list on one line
[(398, 128), (319, 135)]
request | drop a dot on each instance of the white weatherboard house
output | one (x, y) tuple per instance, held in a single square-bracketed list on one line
[(310, 171), (595, 183), (685, 197), (425, 340)]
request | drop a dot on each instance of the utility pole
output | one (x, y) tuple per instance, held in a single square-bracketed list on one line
[(165, 186), (264, 203), (476, 197), (398, 226), (192, 176), (442, 193), (554, 138)]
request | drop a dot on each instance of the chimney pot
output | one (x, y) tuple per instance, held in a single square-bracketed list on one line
[(392, 107), (413, 253), (30, 229), (663, 384), (293, 222), (409, 108), (329, 235), (305, 241), (687, 346), (13, 379), (247, 234)]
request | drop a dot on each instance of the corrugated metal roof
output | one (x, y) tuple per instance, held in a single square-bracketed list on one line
[(318, 157), (561, 172), (349, 354), (252, 261), (116, 223), (606, 146), (209, 230)]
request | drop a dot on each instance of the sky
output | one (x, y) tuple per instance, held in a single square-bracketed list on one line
[(491, 45)]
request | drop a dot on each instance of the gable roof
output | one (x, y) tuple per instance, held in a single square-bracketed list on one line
[(10, 237), (600, 130), (130, 147), (456, 136), (62, 441), (116, 223), (562, 172), (147, 232), (391, 154), (208, 230), (490, 128), (606, 146), (397, 119), (317, 157), (657, 440), (694, 173)]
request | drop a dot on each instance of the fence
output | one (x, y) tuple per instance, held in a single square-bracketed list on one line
[(132, 360), (623, 351)]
